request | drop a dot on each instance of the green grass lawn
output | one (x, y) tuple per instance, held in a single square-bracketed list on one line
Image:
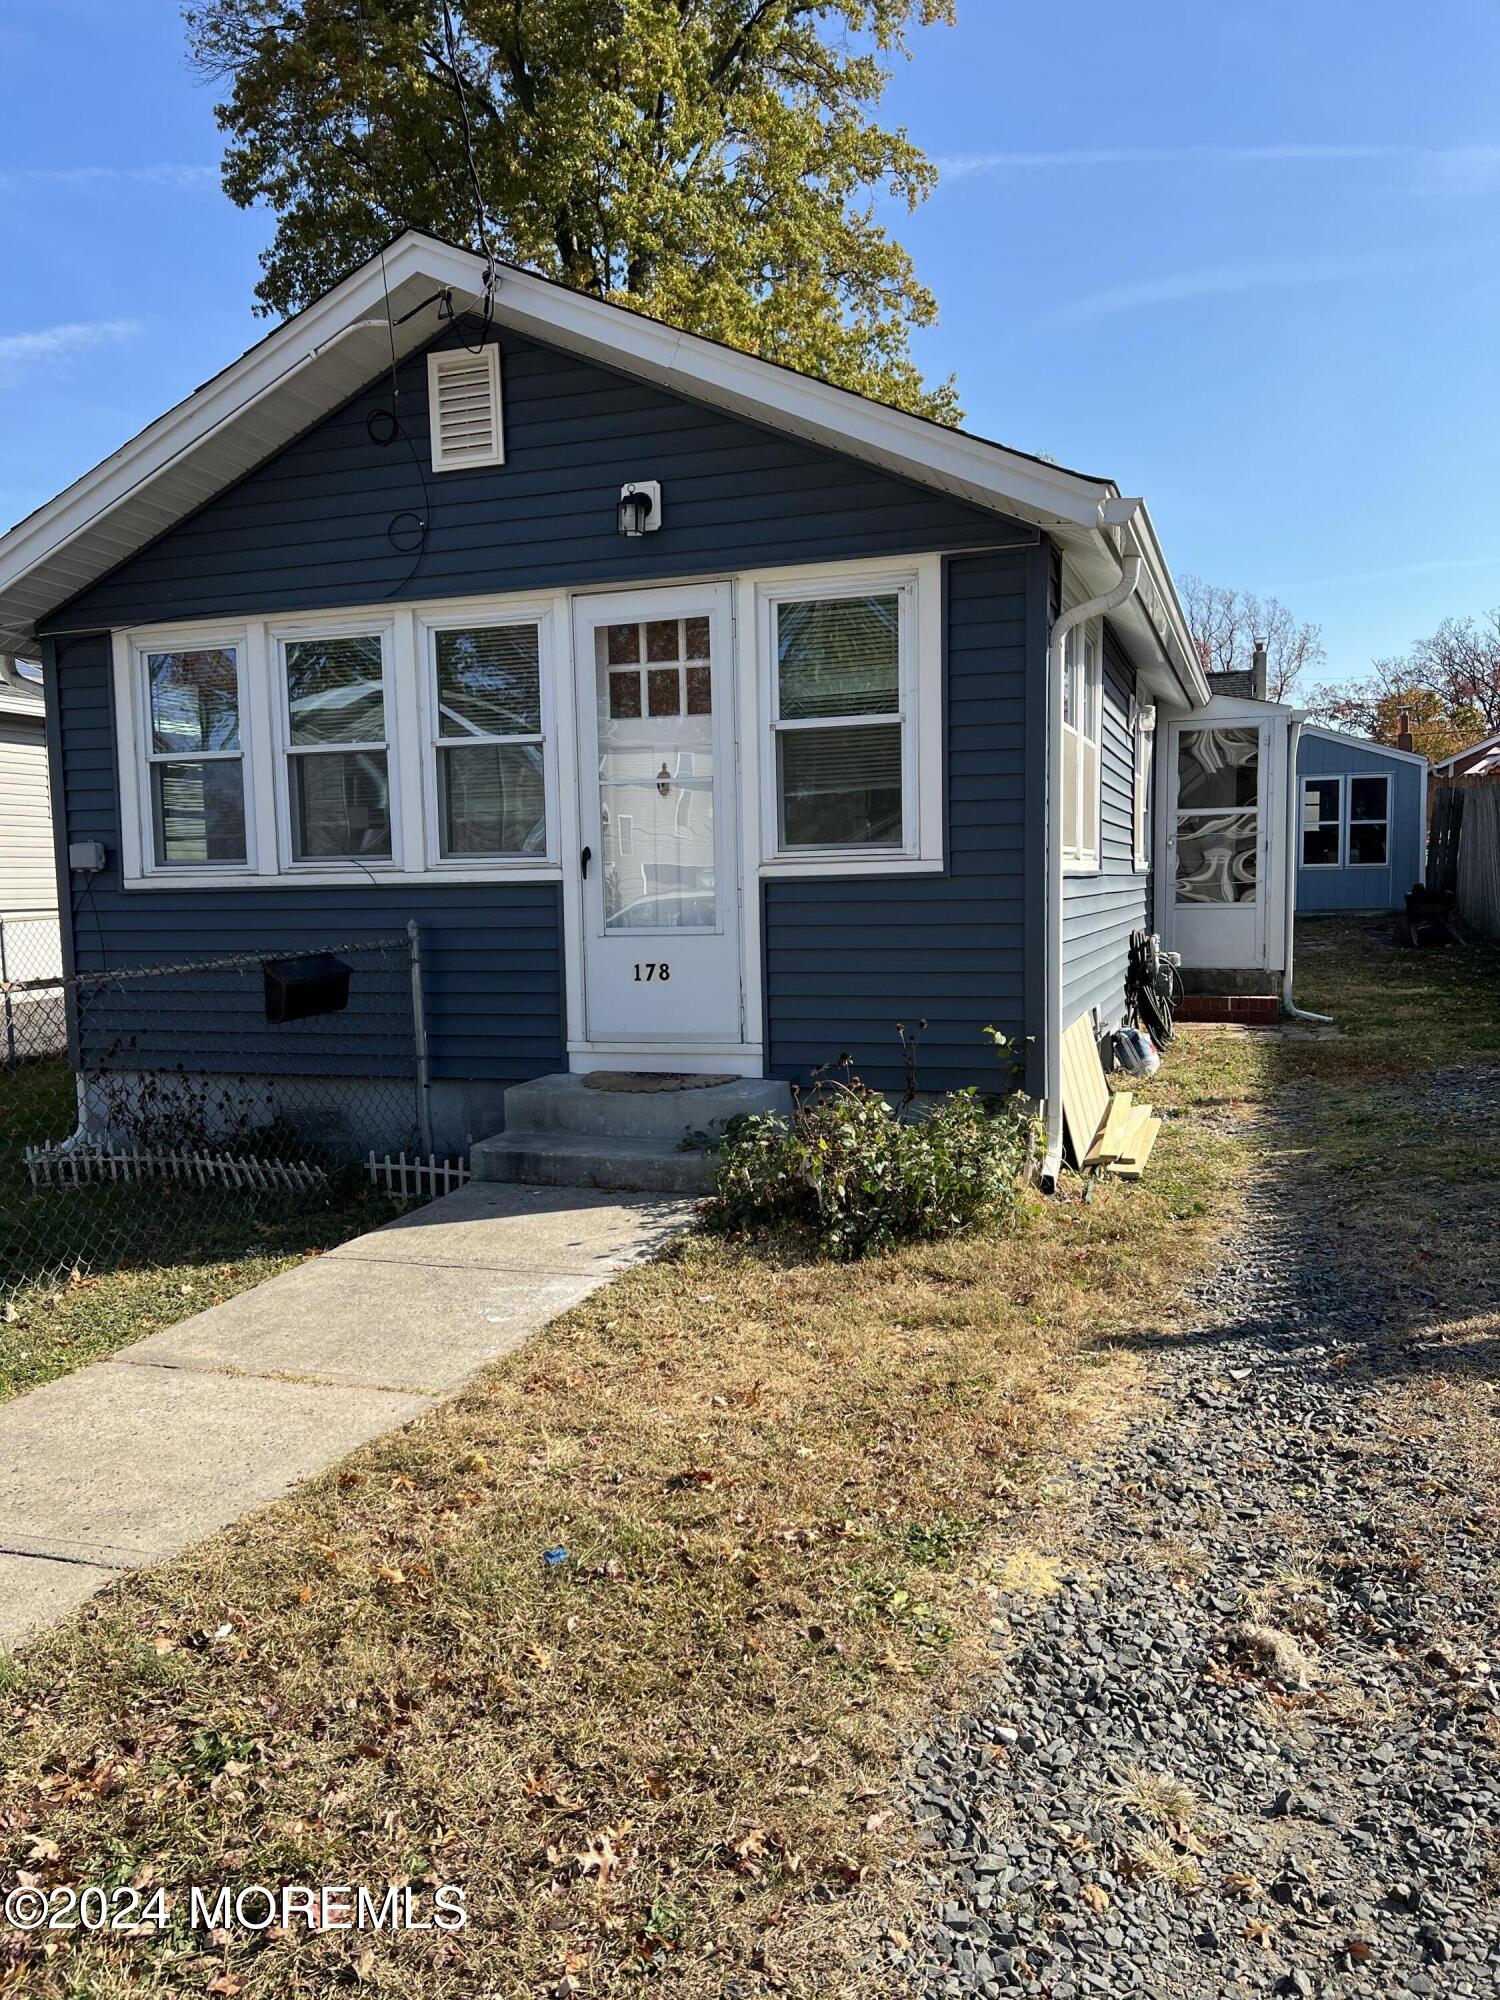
[(85, 1270)]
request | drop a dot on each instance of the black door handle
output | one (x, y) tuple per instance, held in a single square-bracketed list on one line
[(586, 857)]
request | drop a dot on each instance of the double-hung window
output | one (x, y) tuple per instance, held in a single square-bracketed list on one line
[(840, 721), (194, 758), (338, 763), (487, 741), (1369, 822), (1082, 724)]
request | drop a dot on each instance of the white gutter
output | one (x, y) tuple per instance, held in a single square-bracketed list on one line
[(1111, 600), (1293, 852)]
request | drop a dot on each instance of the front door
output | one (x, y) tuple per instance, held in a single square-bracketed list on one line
[(659, 882), (1216, 844)]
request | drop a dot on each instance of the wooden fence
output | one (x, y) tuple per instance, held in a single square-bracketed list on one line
[(64, 1166), (1477, 874)]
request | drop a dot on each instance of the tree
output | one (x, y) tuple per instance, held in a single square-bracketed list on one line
[(711, 162), (1226, 624), (1448, 685)]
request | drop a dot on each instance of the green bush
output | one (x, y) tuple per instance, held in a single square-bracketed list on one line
[(862, 1175)]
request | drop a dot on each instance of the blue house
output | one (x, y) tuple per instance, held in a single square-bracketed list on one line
[(707, 719), (1362, 840)]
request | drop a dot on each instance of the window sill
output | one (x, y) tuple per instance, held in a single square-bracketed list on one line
[(1090, 867), (342, 878), (783, 867)]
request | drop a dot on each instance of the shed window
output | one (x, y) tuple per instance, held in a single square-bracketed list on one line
[(488, 742), (338, 766), (1321, 815), (1082, 723), (197, 774), (1369, 822), (840, 721)]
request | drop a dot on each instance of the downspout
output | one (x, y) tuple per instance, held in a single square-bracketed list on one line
[(1293, 847), (1078, 614)]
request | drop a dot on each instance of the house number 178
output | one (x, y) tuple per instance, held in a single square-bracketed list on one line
[(653, 969)]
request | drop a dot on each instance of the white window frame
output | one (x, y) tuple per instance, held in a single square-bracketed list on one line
[(429, 625), (137, 758), (450, 357), (281, 636), (919, 713), (1349, 821), (264, 746), (1340, 823), (1079, 858), (1143, 743)]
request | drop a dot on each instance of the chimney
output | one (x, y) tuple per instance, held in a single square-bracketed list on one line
[(1403, 730), (1258, 670)]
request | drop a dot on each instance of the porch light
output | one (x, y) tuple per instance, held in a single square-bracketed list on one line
[(640, 507)]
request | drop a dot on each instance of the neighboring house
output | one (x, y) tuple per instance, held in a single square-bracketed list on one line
[(701, 714), (1480, 760), (29, 942), (1264, 815)]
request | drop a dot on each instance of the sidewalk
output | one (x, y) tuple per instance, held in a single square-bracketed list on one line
[(124, 1463)]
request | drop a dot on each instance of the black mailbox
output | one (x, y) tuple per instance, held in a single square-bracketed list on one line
[(298, 988)]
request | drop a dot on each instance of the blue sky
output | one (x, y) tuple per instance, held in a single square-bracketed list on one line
[(1242, 258)]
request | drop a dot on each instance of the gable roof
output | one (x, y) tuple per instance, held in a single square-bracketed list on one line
[(340, 343), (1490, 743), (1363, 743)]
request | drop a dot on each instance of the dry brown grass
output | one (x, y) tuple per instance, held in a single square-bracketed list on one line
[(786, 1491)]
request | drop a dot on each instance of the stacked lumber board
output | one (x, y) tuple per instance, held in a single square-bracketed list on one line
[(1106, 1129)]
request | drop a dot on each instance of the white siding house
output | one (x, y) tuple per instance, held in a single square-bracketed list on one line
[(29, 939)]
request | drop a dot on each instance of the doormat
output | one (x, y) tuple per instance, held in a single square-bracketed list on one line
[(650, 1079)]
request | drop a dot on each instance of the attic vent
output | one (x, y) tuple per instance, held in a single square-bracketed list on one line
[(463, 396)]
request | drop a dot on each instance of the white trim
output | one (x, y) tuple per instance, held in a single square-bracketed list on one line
[(1142, 751), (149, 484), (428, 625), (136, 758), (1350, 822), (1339, 821), (379, 624), (444, 361), (920, 715), (1078, 859)]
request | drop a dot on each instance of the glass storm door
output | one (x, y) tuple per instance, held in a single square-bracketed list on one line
[(1215, 843), (660, 898)]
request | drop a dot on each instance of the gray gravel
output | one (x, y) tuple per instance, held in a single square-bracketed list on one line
[(1346, 1831)]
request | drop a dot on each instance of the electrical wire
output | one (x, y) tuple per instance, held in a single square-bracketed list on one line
[(481, 221)]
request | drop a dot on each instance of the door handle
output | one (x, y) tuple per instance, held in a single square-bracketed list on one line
[(585, 858)]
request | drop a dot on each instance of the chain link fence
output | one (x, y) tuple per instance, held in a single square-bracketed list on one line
[(169, 1114)]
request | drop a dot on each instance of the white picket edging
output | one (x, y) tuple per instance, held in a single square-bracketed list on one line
[(406, 1178), (87, 1166)]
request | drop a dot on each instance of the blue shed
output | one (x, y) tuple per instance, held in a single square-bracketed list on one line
[(1362, 832), (706, 719)]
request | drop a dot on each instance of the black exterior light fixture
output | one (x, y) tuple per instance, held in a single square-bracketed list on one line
[(640, 507)]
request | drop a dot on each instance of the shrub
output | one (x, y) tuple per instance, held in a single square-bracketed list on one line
[(861, 1175)]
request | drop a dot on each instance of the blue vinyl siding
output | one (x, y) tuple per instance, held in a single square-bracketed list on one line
[(1101, 910), (1363, 888), (844, 959), (848, 958), (311, 527)]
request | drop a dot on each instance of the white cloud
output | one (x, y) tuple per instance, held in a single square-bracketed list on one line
[(22, 353), (1269, 274), (165, 175), (964, 165)]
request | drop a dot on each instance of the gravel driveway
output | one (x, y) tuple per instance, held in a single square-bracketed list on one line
[(1251, 1743)]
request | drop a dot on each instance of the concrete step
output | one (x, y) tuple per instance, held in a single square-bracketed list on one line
[(566, 1104), (566, 1159)]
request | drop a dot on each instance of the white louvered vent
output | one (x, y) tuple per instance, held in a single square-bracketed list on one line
[(463, 396)]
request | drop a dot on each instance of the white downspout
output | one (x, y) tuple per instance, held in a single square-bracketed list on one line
[(1078, 614), (1294, 848)]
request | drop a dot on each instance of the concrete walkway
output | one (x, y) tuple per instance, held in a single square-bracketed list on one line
[(124, 1463)]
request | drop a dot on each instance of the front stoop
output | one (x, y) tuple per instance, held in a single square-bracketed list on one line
[(561, 1132)]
